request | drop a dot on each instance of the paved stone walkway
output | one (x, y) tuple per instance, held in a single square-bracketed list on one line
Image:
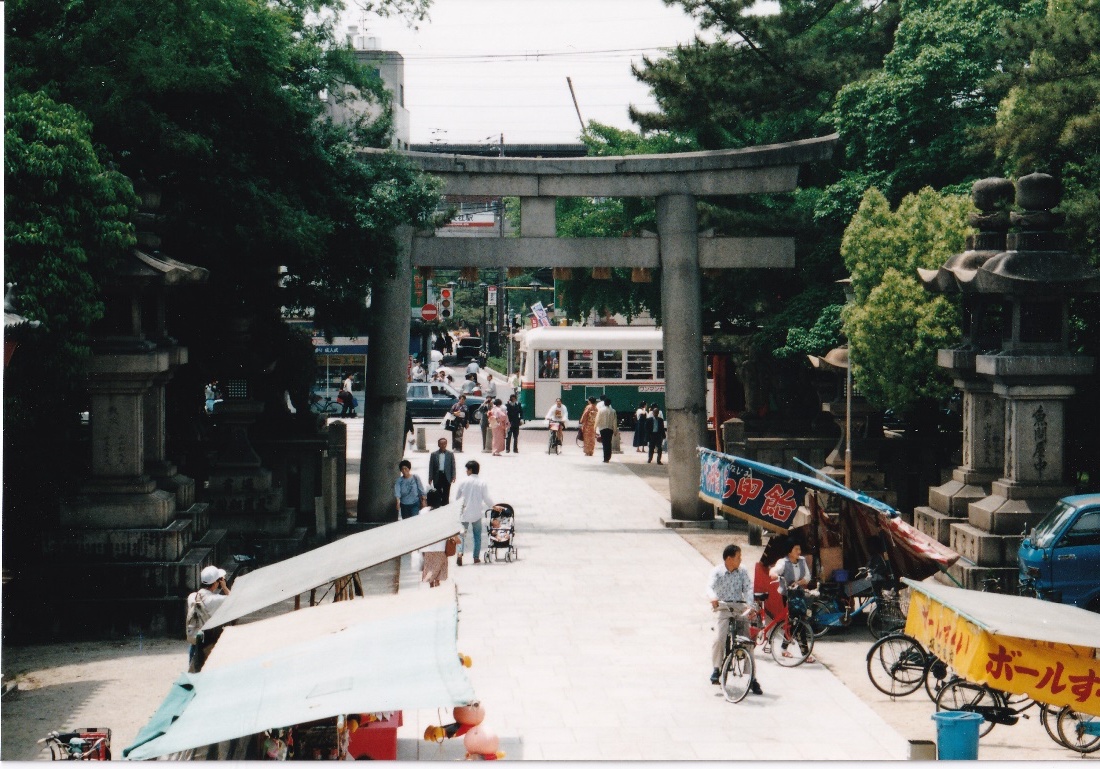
[(595, 644)]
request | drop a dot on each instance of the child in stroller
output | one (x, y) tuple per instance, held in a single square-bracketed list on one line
[(502, 531)]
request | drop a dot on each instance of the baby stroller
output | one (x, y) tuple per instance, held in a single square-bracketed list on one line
[(502, 534)]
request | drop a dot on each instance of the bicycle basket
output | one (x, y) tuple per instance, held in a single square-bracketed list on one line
[(858, 587), (796, 603)]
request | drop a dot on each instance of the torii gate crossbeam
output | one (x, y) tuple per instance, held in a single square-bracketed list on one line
[(675, 180)]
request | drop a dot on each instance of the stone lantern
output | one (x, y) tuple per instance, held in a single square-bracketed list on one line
[(982, 410), (865, 424), (1033, 374)]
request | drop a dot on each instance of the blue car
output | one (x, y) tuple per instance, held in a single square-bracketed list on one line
[(1061, 556)]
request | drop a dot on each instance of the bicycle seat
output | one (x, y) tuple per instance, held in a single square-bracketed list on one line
[(743, 640), (760, 596)]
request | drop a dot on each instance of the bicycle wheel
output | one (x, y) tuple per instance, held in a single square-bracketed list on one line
[(738, 669), (937, 675), (897, 665), (791, 642), (1071, 725), (960, 694), (1048, 715), (885, 618), (822, 612)]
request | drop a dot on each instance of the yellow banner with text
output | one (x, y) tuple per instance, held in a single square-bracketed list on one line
[(1054, 673)]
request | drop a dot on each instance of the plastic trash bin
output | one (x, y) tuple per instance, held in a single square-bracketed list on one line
[(957, 735)]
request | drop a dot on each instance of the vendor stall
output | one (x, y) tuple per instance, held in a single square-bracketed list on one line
[(328, 670), (858, 531), (1047, 651), (786, 502)]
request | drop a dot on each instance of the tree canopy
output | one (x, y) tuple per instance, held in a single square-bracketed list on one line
[(894, 326), (219, 105)]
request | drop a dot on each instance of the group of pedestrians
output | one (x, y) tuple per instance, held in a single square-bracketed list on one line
[(649, 430), (412, 496)]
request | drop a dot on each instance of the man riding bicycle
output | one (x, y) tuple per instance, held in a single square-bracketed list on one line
[(556, 417), (730, 583)]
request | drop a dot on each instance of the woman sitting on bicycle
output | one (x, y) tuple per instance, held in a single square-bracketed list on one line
[(793, 573), (556, 418)]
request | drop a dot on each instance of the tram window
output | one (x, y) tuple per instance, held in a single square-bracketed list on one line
[(660, 364), (609, 364), (548, 364), (639, 364), (580, 364)]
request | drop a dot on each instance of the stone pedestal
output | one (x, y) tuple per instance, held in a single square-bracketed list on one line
[(982, 451)]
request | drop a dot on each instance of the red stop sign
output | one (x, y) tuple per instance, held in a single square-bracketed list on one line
[(429, 312)]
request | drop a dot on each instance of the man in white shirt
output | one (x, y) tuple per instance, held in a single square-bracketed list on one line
[(730, 583), (556, 418), (473, 368), (490, 391), (475, 497)]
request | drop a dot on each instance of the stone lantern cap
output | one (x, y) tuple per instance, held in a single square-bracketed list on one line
[(1035, 260), (992, 197), (834, 360), (162, 269)]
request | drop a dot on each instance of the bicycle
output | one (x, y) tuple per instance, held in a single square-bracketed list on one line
[(995, 706), (1078, 731), (861, 596), (89, 744), (324, 406), (897, 665), (554, 446), (788, 637), (738, 669)]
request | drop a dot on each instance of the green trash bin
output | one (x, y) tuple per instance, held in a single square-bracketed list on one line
[(957, 735)]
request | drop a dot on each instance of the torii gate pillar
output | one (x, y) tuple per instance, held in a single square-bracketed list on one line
[(685, 376), (675, 181)]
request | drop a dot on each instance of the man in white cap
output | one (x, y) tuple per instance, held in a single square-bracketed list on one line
[(200, 606)]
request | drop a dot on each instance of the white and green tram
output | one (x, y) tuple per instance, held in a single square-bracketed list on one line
[(574, 362)]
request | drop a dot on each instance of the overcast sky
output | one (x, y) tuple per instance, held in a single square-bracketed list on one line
[(480, 68)]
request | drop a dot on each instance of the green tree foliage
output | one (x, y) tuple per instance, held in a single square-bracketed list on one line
[(823, 336), (766, 77), (66, 219), (217, 103), (912, 123), (1050, 119), (894, 326)]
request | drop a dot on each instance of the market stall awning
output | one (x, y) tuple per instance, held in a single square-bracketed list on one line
[(364, 656), (764, 494), (769, 496), (1048, 651), (272, 584)]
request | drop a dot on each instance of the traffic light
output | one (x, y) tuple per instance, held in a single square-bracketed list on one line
[(446, 303)]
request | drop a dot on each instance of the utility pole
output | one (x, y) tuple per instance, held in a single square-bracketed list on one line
[(576, 106)]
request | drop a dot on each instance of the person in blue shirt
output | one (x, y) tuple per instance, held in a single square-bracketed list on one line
[(409, 491)]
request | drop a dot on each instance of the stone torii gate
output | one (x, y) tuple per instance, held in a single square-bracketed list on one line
[(675, 180)]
